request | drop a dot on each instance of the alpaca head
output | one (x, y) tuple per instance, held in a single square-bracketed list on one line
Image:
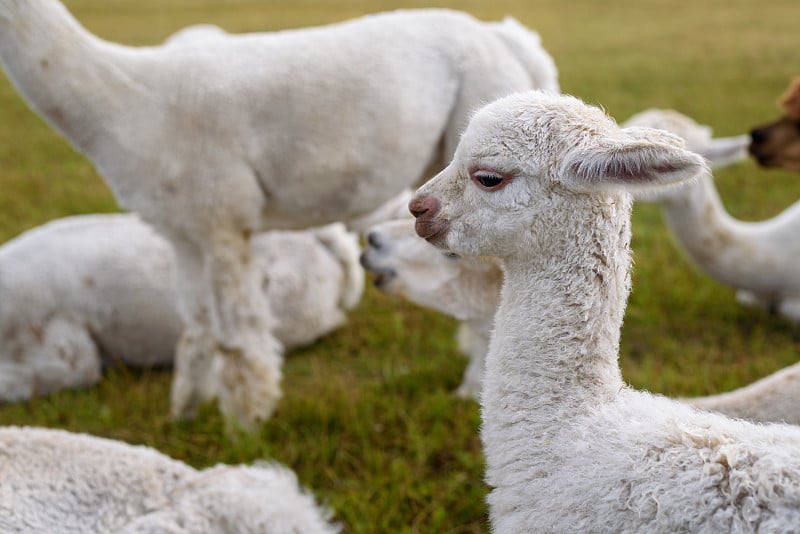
[(777, 144), (526, 163), (410, 267), (719, 151)]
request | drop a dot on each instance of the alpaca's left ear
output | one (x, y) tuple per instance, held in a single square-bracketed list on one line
[(790, 101), (722, 151), (639, 159)]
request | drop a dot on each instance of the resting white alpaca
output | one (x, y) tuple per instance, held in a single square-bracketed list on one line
[(775, 398), (541, 182), (465, 288), (84, 290), (469, 290), (759, 259), (213, 139), (59, 482)]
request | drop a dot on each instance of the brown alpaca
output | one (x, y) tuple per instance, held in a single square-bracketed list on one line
[(777, 144)]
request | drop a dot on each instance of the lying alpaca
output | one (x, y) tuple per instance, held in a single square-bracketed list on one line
[(759, 259), (775, 398), (542, 182), (83, 290), (59, 482), (469, 290), (777, 144), (213, 139), (465, 288)]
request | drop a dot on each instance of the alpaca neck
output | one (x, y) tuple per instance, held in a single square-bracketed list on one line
[(698, 219), (553, 354), (67, 75)]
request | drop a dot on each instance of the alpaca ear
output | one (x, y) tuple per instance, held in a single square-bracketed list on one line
[(790, 101), (639, 159), (723, 151)]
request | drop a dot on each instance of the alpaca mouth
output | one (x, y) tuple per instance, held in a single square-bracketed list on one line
[(382, 276), (431, 230), (764, 160), (382, 280)]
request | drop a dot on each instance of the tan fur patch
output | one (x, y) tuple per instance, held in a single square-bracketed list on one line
[(790, 101)]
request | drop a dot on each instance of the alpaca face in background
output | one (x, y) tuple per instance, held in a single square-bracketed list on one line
[(777, 144), (407, 266)]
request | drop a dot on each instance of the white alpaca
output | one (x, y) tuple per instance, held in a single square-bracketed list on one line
[(82, 291), (468, 289), (759, 259), (212, 139), (465, 288), (60, 482), (542, 182), (774, 398)]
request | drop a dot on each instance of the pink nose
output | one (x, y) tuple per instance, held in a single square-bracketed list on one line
[(419, 206)]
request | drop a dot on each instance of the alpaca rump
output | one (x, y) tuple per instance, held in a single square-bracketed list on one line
[(59, 482), (543, 182), (213, 137)]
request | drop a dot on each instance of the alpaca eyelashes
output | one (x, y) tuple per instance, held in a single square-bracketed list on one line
[(489, 180)]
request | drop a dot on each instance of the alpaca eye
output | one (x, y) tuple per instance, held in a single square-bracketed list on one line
[(489, 180)]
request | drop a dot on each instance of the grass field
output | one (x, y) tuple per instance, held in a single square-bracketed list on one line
[(367, 420)]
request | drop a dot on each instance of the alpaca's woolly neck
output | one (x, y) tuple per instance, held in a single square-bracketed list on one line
[(695, 214), (745, 255), (66, 74), (553, 354)]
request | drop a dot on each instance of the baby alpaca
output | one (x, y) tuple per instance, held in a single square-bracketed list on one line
[(465, 288), (777, 144), (59, 482), (213, 138), (759, 259), (86, 290), (543, 183)]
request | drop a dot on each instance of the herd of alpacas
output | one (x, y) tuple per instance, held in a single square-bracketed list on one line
[(244, 237)]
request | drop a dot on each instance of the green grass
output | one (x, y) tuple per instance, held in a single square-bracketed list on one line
[(367, 420)]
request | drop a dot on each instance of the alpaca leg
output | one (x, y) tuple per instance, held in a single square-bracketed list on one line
[(475, 347), (192, 381), (248, 357), (790, 309), (751, 300), (58, 355)]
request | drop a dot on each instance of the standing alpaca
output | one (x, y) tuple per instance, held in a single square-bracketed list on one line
[(213, 139), (542, 182), (86, 290), (58, 482), (759, 259), (777, 144)]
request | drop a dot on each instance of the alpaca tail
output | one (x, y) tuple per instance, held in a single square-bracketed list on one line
[(344, 246), (526, 45)]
